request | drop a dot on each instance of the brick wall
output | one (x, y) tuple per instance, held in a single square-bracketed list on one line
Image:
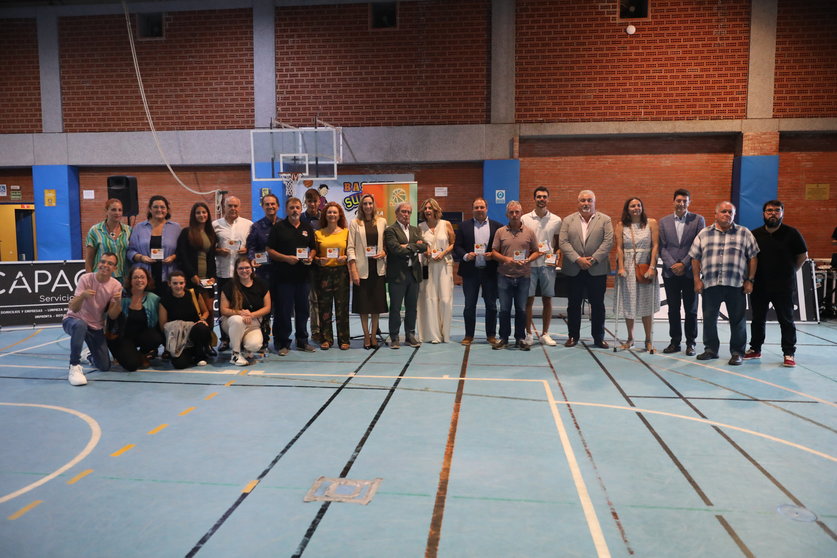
[(18, 177), (760, 143), (199, 77), (809, 159), (575, 62), (151, 181), (433, 69), (20, 89), (806, 59)]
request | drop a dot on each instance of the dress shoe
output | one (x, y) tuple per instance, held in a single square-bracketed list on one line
[(394, 344), (735, 359), (707, 355), (672, 348), (571, 342), (522, 345), (602, 344), (283, 351), (501, 344), (690, 349), (412, 341), (306, 347), (491, 340), (466, 341)]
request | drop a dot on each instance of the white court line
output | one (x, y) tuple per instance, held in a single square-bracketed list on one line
[(34, 347), (95, 435)]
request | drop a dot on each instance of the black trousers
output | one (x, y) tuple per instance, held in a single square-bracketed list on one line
[(406, 292), (471, 285), (591, 287), (681, 289), (130, 349), (200, 337), (783, 305)]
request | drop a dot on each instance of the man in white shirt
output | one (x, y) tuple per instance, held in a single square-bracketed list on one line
[(546, 227), (232, 232)]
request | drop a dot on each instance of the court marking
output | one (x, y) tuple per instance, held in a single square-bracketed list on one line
[(95, 436), (30, 336), (19, 513), (123, 449), (79, 476), (35, 346)]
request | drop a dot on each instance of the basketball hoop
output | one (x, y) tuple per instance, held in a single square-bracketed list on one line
[(291, 179)]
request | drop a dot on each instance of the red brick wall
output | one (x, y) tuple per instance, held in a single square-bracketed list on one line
[(760, 143), (20, 80), (575, 62), (18, 177), (433, 69), (199, 77), (151, 181), (615, 169), (809, 159), (806, 59)]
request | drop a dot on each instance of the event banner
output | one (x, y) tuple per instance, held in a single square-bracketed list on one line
[(347, 191), (36, 293)]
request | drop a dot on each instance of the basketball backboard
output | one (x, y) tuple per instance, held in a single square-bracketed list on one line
[(312, 152)]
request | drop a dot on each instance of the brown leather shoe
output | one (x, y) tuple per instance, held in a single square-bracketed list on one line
[(491, 340), (571, 342), (601, 344), (466, 341)]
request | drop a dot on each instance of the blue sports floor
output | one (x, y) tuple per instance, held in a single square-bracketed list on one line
[(437, 451)]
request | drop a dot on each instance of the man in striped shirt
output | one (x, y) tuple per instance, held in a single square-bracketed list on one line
[(724, 268)]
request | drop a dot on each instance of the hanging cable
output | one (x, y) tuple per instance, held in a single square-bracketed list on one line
[(147, 110)]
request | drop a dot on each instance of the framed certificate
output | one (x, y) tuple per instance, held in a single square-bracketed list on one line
[(479, 249), (157, 254), (302, 253), (550, 259), (332, 253), (261, 257), (233, 245), (371, 251), (520, 255)]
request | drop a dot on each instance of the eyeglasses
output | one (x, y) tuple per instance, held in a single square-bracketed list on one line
[(773, 210)]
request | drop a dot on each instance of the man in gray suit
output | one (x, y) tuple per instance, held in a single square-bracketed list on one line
[(677, 232), (585, 240), (403, 244)]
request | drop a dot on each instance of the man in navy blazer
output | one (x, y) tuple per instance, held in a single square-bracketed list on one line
[(677, 232), (478, 269)]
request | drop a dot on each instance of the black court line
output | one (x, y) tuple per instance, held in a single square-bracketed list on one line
[(611, 506), (434, 534), (306, 538), (243, 496), (737, 447), (747, 399), (831, 341)]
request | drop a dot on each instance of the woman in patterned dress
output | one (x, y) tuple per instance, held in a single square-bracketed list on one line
[(637, 242)]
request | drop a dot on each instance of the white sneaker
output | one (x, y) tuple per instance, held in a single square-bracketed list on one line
[(547, 340), (85, 355), (201, 363), (76, 375), (528, 339), (238, 360)]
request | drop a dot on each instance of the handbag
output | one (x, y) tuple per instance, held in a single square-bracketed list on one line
[(213, 336), (639, 269)]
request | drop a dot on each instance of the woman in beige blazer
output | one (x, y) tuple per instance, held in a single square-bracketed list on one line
[(367, 268)]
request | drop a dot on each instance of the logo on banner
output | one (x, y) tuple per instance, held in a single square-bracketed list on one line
[(499, 196)]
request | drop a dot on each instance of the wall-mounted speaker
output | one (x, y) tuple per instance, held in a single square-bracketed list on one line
[(124, 188)]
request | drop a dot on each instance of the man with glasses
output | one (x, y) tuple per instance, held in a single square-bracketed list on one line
[(782, 251), (291, 247), (96, 293), (723, 269)]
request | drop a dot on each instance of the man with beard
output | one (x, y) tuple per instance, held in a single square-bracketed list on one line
[(782, 251), (723, 268)]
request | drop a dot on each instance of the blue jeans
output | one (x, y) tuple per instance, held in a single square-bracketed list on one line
[(79, 334), (514, 289), (471, 284), (736, 305)]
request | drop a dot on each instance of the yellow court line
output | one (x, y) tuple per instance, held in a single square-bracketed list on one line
[(159, 428), (79, 476), (243, 372), (746, 377), (36, 332), (210, 396), (250, 486), (228, 384), (122, 450), (24, 509), (187, 411), (95, 436)]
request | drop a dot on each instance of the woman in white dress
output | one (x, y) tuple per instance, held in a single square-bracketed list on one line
[(435, 299), (637, 242)]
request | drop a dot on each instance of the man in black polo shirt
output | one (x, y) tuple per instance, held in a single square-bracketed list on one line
[(291, 246), (782, 251)]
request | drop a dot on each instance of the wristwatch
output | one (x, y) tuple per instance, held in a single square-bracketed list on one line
[(751, 279)]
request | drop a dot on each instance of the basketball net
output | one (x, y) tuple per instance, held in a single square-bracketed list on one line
[(291, 179)]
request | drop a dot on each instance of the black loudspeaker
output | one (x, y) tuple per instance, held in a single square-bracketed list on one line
[(124, 188)]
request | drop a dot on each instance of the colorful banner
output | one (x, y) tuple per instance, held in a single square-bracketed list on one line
[(388, 191)]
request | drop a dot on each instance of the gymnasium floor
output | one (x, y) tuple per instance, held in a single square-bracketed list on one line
[(441, 450)]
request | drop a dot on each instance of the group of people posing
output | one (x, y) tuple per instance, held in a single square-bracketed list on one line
[(153, 284)]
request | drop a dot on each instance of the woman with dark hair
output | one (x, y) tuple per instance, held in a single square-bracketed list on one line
[(153, 243), (331, 279), (367, 268), (137, 337), (196, 253), (185, 322), (637, 245), (245, 300), (110, 235)]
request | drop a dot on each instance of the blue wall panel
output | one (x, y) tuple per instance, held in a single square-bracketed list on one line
[(755, 180), (500, 185), (59, 226)]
